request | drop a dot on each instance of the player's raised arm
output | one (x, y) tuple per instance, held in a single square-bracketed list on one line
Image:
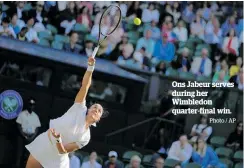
[(86, 81)]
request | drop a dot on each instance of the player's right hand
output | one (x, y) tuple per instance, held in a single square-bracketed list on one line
[(91, 61)]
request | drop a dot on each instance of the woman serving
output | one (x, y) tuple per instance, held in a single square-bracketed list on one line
[(68, 132)]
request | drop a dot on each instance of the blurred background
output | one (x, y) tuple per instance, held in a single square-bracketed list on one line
[(43, 55)]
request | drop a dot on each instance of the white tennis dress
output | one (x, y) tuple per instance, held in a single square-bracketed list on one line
[(71, 126)]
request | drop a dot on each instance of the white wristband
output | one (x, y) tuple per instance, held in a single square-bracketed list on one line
[(58, 140), (90, 68)]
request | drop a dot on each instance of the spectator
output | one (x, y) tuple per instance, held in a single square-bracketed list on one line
[(181, 150), (141, 59), (234, 69), (21, 14), (176, 12), (22, 34), (150, 14), (202, 65), (68, 17), (31, 35), (124, 49), (222, 65), (238, 79), (228, 25), (28, 124), (221, 77), (112, 162), (92, 162), (201, 130), (197, 28), (87, 4), (235, 139), (14, 24), (6, 29), (106, 48), (181, 32), (159, 163), (164, 50), (40, 16), (169, 30), (104, 28), (205, 155), (177, 166), (231, 44), (183, 62), (72, 46), (146, 42), (188, 14), (135, 162), (88, 49), (161, 68), (74, 161), (117, 35), (155, 30), (84, 18), (134, 10), (206, 10)]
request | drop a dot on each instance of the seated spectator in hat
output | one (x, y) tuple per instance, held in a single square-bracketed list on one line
[(135, 162), (202, 65), (146, 42), (231, 43), (201, 130), (235, 139), (40, 16), (205, 155), (84, 18), (68, 18), (14, 24), (238, 80), (188, 14), (181, 150), (159, 163), (229, 24), (113, 162), (221, 77), (72, 45), (74, 161), (181, 32), (183, 61), (31, 34), (6, 29), (234, 69), (88, 49), (92, 162), (155, 30), (22, 34), (150, 13), (164, 50)]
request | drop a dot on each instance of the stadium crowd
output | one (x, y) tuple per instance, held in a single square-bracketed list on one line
[(203, 40)]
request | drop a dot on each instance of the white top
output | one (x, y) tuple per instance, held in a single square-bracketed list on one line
[(74, 162), (181, 33), (71, 125), (208, 129), (176, 152), (29, 122), (89, 165), (9, 29), (32, 35)]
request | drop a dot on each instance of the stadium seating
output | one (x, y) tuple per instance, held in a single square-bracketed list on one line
[(128, 154), (227, 162), (224, 152), (238, 156), (193, 165), (170, 163), (217, 141)]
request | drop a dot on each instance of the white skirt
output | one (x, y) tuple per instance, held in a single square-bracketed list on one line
[(46, 154)]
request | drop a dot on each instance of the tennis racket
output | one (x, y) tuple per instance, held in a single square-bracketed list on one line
[(113, 12)]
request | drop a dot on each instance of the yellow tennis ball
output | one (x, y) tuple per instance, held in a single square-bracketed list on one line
[(137, 21)]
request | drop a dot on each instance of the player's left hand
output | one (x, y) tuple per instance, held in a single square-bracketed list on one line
[(55, 134), (91, 61)]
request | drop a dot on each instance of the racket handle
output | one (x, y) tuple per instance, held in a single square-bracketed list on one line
[(95, 51)]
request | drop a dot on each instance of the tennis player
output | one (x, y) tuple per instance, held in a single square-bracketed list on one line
[(68, 132)]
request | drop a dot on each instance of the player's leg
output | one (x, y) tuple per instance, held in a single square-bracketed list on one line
[(33, 163)]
